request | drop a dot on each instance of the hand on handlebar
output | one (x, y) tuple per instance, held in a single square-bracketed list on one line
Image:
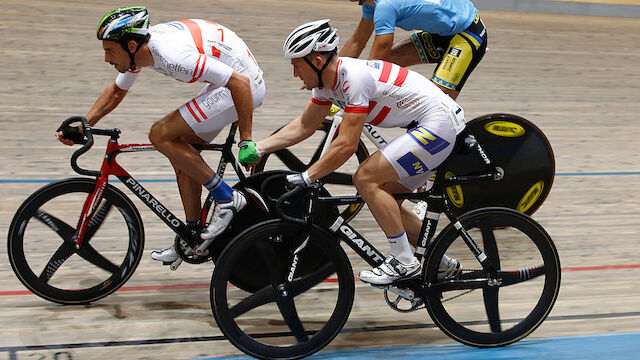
[(70, 135), (298, 179), (249, 153)]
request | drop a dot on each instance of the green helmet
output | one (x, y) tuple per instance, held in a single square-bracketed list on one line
[(124, 23)]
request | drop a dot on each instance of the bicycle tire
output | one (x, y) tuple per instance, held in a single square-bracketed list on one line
[(509, 239), (308, 319), (64, 278), (294, 163)]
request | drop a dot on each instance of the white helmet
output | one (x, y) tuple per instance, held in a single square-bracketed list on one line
[(314, 36)]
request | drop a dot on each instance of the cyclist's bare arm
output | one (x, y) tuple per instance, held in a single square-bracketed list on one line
[(240, 87), (295, 131), (381, 48), (105, 103), (342, 148), (358, 41)]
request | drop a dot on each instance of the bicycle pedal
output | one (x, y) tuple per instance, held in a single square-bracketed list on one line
[(406, 293)]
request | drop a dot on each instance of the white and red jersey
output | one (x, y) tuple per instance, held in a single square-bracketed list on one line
[(196, 50), (389, 94)]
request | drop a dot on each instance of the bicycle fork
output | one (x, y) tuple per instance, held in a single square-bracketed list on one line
[(89, 211)]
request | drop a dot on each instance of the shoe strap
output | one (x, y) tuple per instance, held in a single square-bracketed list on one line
[(395, 264)]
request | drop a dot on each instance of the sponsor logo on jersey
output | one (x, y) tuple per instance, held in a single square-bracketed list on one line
[(504, 128), (176, 25), (406, 102), (412, 164), (531, 196), (454, 192), (428, 140), (374, 64), (168, 67)]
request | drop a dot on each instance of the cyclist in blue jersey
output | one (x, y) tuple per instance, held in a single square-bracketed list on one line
[(447, 32)]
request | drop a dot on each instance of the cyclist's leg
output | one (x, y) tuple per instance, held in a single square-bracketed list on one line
[(371, 180), (207, 114), (464, 52), (410, 220), (405, 53), (408, 158), (166, 135), (190, 192)]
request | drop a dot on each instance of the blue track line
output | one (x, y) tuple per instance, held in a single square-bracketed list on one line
[(589, 347), (44, 181)]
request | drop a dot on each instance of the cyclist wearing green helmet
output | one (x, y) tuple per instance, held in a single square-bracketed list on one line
[(190, 50), (124, 25)]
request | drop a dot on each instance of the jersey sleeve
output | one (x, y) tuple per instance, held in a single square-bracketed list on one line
[(318, 98), (384, 18), (213, 71), (358, 86), (125, 80), (367, 11)]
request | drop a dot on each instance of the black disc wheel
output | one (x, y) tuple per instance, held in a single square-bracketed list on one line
[(473, 307), (301, 306), (515, 145), (337, 183), (42, 236)]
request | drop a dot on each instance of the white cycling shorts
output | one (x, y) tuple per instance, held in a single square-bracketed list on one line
[(213, 109), (415, 154)]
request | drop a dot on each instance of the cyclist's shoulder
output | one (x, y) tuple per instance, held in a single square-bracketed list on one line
[(349, 68), (387, 7)]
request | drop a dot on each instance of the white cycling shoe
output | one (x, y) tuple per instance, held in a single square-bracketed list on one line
[(391, 270), (451, 269), (222, 216), (167, 256)]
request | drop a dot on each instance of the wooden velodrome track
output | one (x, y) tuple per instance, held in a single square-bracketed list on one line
[(576, 77)]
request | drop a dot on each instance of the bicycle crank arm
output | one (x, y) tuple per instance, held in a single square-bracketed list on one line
[(407, 294), (200, 250), (175, 264)]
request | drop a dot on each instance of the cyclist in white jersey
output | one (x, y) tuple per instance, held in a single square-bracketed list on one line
[(382, 94), (189, 51)]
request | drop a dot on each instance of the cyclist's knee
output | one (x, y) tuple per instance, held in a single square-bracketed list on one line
[(364, 181), (158, 134)]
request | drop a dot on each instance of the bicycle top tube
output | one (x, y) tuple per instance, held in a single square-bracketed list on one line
[(114, 148)]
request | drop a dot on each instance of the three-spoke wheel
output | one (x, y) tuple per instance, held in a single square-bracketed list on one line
[(478, 310), (42, 236), (302, 304)]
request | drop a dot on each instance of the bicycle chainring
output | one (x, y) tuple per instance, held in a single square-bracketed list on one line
[(402, 304), (186, 253)]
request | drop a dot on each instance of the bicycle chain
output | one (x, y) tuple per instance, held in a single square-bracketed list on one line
[(418, 303), (463, 293)]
